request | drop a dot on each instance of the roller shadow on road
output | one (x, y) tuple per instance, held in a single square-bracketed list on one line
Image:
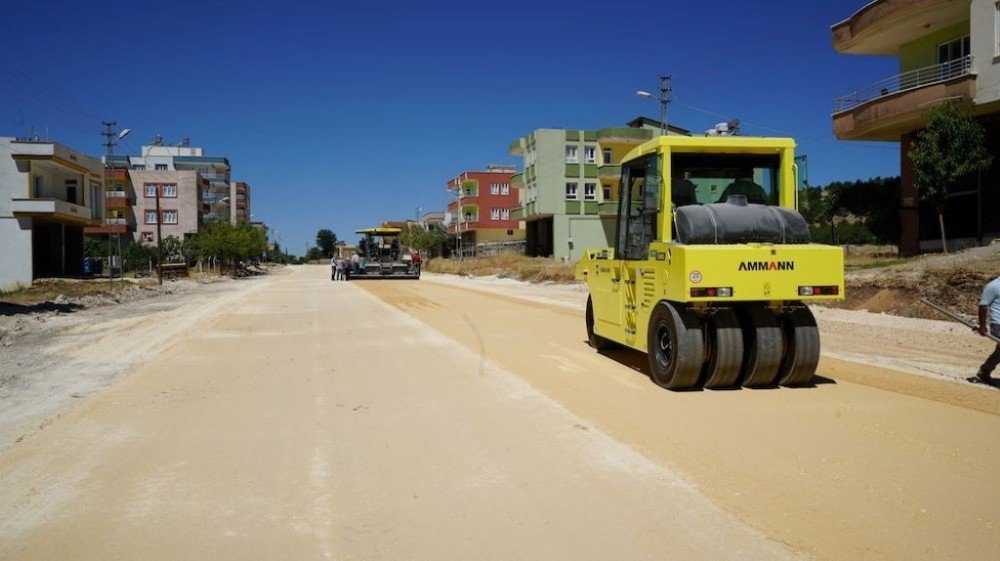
[(638, 362)]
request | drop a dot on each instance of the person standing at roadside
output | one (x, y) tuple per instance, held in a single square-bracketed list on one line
[(333, 268), (989, 308), (340, 268)]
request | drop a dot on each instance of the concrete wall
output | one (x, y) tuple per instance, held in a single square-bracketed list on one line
[(986, 50), (15, 251), (186, 204), (573, 235), (550, 171)]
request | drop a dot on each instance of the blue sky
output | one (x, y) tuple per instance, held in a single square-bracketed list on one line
[(342, 115)]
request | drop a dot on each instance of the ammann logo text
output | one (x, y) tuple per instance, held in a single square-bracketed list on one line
[(767, 265)]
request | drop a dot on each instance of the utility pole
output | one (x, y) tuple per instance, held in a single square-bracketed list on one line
[(109, 147), (159, 239), (665, 90)]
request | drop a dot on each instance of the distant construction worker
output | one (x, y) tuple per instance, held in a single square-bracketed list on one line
[(339, 268), (989, 308)]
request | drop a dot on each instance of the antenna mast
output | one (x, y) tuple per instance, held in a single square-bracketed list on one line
[(665, 90), (109, 136)]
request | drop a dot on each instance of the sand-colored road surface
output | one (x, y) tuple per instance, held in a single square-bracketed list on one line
[(309, 420), (874, 464)]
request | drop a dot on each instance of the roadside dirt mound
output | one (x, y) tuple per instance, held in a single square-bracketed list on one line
[(954, 281)]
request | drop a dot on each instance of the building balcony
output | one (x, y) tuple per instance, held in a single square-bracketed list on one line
[(882, 26), (464, 226), (116, 174), (624, 135), (607, 208), (609, 171), (116, 199), (897, 105), (110, 226), (517, 213), (54, 209)]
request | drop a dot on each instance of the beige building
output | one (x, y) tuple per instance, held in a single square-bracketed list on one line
[(948, 50), (48, 194), (180, 198)]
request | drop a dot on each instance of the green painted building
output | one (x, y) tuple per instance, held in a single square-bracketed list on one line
[(569, 186)]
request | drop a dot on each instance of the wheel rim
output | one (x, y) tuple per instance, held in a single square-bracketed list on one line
[(664, 346)]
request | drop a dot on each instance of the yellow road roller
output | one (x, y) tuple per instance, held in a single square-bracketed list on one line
[(712, 266)]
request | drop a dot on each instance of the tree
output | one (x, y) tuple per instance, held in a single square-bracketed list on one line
[(951, 148), (424, 241), (325, 240)]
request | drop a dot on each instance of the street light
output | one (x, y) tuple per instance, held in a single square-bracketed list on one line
[(664, 100)]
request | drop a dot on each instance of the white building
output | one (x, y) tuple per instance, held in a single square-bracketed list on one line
[(48, 194)]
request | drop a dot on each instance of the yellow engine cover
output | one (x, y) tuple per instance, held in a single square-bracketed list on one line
[(754, 272)]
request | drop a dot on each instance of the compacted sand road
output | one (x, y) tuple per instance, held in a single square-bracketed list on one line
[(871, 464), (308, 420)]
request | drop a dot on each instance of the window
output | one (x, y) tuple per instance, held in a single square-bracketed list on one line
[(571, 191), (170, 217), (606, 192), (147, 237), (713, 178), (571, 155), (149, 189), (953, 50), (607, 156), (996, 38), (510, 232), (468, 217), (38, 187), (150, 217), (638, 208), (590, 154), (590, 191), (71, 191), (494, 214), (494, 188), (139, 167), (161, 167), (505, 188), (169, 190), (504, 214)]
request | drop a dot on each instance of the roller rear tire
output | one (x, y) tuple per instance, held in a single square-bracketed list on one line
[(764, 346), (675, 346), (725, 349), (802, 348)]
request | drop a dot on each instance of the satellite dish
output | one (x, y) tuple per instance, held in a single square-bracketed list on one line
[(124, 133)]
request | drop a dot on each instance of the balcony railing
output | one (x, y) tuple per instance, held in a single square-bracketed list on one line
[(115, 194), (910, 80), (115, 221)]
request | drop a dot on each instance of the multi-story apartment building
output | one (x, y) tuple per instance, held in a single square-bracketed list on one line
[(484, 201), (181, 209), (239, 196), (119, 200), (948, 50), (215, 170), (48, 194), (569, 187)]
